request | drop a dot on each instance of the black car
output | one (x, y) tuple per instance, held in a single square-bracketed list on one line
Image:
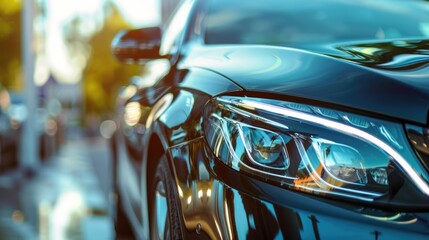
[(277, 120), (9, 133)]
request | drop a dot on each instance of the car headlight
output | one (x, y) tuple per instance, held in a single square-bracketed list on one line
[(316, 150)]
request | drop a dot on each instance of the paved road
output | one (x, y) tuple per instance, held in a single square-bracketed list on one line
[(69, 197)]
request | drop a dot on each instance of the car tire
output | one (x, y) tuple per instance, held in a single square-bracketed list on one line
[(164, 212)]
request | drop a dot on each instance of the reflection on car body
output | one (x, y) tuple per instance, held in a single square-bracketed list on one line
[(297, 120)]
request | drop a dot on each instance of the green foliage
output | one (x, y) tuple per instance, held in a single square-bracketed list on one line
[(10, 44), (104, 74)]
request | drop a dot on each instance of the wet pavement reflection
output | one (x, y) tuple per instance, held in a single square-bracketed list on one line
[(67, 197)]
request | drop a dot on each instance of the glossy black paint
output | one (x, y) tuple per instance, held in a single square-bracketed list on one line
[(352, 83), (220, 203)]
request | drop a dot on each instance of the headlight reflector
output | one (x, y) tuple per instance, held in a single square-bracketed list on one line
[(264, 147)]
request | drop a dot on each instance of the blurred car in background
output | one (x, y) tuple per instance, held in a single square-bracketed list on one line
[(13, 113), (9, 134), (277, 119)]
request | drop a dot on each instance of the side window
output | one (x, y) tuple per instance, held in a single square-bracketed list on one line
[(174, 31)]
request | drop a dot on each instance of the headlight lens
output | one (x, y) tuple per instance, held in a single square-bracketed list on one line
[(313, 149)]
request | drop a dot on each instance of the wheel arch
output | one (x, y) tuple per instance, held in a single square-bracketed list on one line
[(155, 150), (156, 147)]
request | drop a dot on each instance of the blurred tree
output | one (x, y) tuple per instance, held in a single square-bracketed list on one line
[(10, 44), (104, 74)]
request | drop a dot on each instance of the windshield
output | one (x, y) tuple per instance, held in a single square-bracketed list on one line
[(295, 22)]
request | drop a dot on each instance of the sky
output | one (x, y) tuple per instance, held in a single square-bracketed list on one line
[(138, 13)]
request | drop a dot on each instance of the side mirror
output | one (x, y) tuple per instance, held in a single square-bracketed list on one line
[(137, 45)]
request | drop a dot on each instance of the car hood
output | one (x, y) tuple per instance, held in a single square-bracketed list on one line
[(387, 78)]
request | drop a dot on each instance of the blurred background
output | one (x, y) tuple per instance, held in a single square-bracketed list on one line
[(58, 88)]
